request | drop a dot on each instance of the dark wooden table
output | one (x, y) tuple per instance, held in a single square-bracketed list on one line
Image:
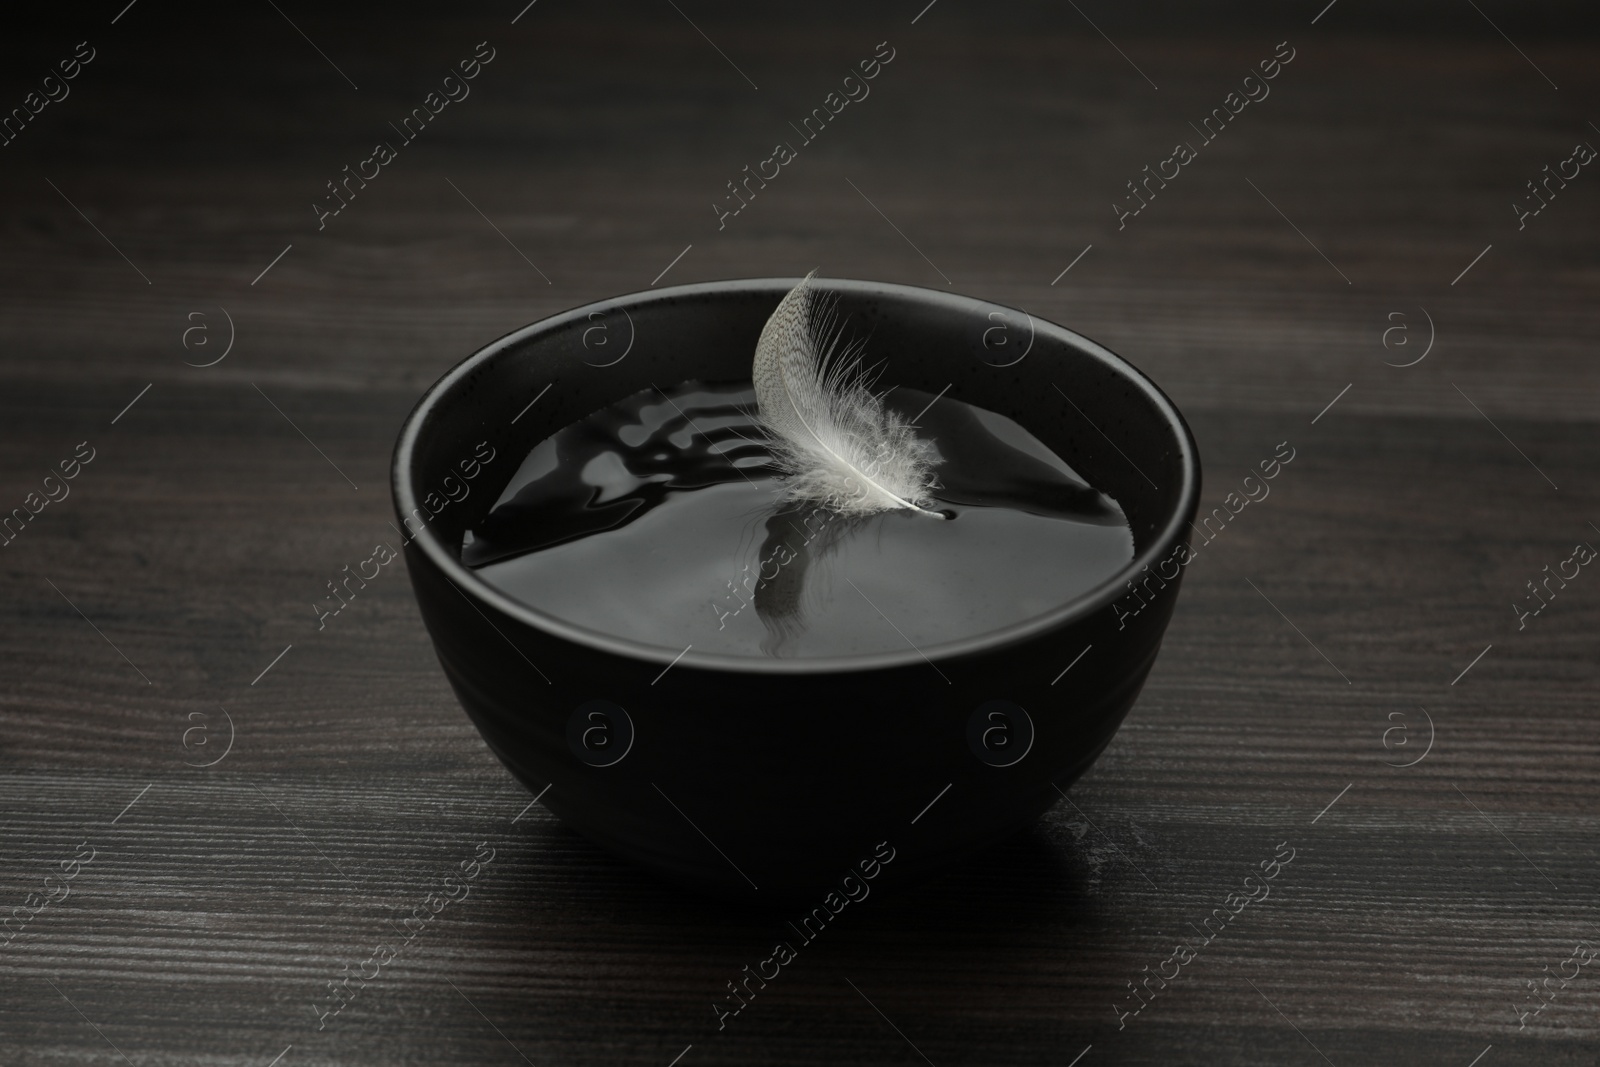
[(1360, 618)]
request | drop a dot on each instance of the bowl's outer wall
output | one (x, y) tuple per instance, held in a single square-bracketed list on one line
[(739, 779)]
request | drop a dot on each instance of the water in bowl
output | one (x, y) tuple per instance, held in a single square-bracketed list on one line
[(658, 519)]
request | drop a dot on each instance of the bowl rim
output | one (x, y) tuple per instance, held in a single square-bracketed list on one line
[(1089, 603)]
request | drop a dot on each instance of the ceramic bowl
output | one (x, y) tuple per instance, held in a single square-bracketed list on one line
[(785, 781)]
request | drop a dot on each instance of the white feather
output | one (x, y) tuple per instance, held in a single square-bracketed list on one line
[(832, 436)]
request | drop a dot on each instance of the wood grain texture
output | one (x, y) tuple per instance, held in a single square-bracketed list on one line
[(219, 907)]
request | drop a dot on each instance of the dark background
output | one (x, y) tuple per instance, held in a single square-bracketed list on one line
[(220, 905)]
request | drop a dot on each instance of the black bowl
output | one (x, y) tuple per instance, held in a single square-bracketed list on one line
[(769, 779)]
